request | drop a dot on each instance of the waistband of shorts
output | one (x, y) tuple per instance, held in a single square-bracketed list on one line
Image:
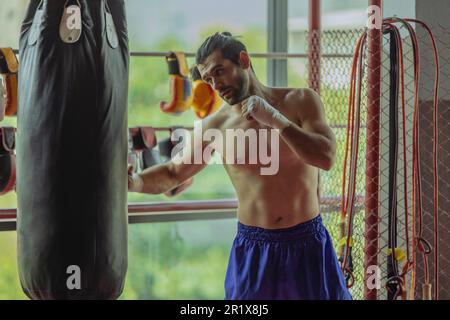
[(302, 230)]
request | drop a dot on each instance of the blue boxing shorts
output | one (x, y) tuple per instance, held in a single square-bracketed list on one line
[(293, 263)]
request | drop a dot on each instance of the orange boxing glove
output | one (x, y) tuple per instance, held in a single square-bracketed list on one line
[(9, 66), (206, 100), (180, 85)]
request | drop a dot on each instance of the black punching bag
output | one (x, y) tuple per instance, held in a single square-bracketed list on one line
[(72, 149)]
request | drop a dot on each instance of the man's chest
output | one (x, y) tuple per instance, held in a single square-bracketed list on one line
[(244, 141)]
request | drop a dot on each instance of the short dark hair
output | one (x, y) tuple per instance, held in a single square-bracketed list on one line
[(228, 45)]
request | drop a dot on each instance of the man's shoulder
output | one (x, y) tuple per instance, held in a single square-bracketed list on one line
[(298, 103), (298, 94), (302, 100)]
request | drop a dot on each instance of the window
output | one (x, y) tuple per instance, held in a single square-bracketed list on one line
[(178, 260)]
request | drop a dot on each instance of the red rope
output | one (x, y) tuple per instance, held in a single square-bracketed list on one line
[(421, 244), (351, 150), (348, 201), (435, 165)]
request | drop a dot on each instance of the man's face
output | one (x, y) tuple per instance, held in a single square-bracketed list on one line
[(228, 79)]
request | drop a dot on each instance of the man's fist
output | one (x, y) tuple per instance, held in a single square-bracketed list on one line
[(259, 109)]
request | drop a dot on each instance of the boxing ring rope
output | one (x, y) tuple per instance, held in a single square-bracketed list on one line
[(268, 55), (333, 126), (180, 211)]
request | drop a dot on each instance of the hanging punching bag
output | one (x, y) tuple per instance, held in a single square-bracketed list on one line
[(72, 149)]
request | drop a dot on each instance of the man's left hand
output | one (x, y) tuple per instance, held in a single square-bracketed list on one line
[(259, 109)]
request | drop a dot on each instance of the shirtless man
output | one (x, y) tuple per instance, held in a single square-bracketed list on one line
[(282, 250)]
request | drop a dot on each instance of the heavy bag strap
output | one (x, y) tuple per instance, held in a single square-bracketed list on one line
[(111, 33), (8, 61), (35, 28), (8, 139)]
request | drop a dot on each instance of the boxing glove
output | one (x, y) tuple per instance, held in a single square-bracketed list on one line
[(180, 84), (9, 66), (141, 138), (7, 160)]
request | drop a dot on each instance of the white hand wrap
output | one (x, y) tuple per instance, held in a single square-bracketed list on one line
[(264, 113), (137, 184)]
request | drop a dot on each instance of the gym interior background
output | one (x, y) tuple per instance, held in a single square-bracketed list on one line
[(192, 233)]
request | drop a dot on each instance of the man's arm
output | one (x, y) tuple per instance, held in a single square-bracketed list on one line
[(167, 176), (314, 142)]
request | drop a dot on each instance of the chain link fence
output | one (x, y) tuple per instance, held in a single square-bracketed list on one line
[(371, 230)]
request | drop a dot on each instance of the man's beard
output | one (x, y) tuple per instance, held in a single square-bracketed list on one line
[(239, 93)]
